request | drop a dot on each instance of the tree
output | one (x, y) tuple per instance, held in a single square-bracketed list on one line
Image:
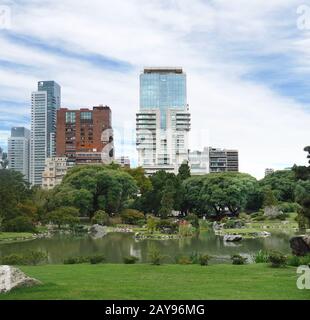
[(166, 203), (64, 216), (93, 188), (184, 171), (282, 183), (4, 162), (269, 198), (307, 149)]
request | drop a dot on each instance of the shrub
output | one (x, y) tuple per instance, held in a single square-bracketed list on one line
[(155, 257), (261, 256), (183, 260), (28, 258), (97, 259), (101, 217), (115, 220), (288, 207), (19, 224), (132, 216), (277, 259), (186, 229), (76, 260), (167, 226), (193, 220), (204, 259), (195, 257), (130, 259), (237, 259), (35, 257), (233, 223), (293, 261), (12, 259)]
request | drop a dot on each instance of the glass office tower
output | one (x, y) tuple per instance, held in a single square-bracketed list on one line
[(163, 120), (44, 104)]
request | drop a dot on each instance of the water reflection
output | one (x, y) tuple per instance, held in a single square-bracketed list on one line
[(117, 245)]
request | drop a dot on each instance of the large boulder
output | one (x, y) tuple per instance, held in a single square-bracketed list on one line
[(300, 245), (97, 231), (218, 226), (11, 277), (232, 237)]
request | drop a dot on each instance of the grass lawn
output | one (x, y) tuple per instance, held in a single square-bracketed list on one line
[(13, 236), (142, 281)]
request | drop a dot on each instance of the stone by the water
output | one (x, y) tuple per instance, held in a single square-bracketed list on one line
[(232, 237), (300, 245), (11, 278)]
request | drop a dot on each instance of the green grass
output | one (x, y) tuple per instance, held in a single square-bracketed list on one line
[(14, 236), (142, 281)]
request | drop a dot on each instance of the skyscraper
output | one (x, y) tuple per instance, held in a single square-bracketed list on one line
[(19, 150), (44, 104), (85, 136), (163, 121)]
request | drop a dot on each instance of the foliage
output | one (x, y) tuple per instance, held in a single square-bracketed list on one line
[(288, 207), (132, 216), (76, 260), (277, 259), (101, 217), (261, 256), (186, 229), (130, 259), (184, 171), (155, 257), (269, 198), (296, 261), (183, 260), (204, 259), (18, 224), (95, 259), (27, 258), (151, 224), (193, 219), (64, 216), (238, 259), (167, 226), (282, 183), (91, 188)]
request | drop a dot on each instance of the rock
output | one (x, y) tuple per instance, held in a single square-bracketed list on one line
[(300, 245), (262, 234), (11, 277), (97, 231), (232, 237), (272, 211)]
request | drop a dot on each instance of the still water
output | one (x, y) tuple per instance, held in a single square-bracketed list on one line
[(117, 245)]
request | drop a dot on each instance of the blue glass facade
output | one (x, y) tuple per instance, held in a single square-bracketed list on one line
[(162, 90)]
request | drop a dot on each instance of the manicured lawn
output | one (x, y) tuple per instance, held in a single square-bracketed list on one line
[(142, 281), (12, 236)]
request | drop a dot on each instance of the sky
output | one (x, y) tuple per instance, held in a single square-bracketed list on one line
[(247, 65)]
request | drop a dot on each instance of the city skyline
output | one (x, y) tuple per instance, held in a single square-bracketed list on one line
[(242, 95)]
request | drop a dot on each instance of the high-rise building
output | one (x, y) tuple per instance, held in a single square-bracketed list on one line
[(55, 170), (123, 161), (85, 136), (19, 150), (199, 162), (44, 104), (163, 121), (222, 160)]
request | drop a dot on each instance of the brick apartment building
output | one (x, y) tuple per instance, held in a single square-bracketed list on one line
[(85, 136)]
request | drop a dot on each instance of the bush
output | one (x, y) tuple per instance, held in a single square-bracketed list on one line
[(293, 261), (130, 259), (115, 220), (237, 259), (76, 260), (132, 216), (233, 223), (195, 256), (28, 258), (204, 259), (12, 259), (288, 207), (277, 259), (19, 224), (193, 220), (101, 217), (261, 257), (155, 257), (167, 226), (183, 260), (97, 259), (35, 257)]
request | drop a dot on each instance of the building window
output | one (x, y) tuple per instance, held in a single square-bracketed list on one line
[(86, 116), (70, 117)]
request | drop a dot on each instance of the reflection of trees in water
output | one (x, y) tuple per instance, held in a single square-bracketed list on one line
[(117, 245)]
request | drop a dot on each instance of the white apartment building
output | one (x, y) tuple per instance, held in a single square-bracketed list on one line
[(199, 162)]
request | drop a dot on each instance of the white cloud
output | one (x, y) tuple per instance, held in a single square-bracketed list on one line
[(213, 41)]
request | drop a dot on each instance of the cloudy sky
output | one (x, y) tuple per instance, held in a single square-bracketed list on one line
[(247, 65)]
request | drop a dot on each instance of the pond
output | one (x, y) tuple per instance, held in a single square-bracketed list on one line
[(117, 245)]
